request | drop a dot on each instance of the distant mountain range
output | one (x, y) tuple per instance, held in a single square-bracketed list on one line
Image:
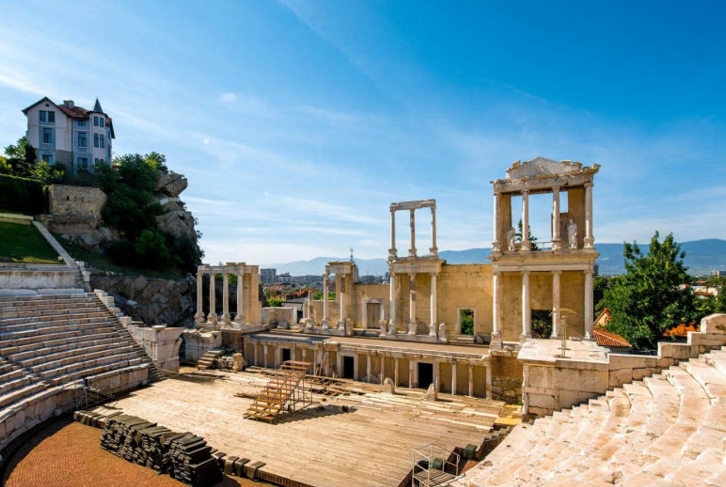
[(702, 256)]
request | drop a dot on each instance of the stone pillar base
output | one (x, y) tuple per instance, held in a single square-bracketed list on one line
[(496, 341), (412, 328), (523, 338)]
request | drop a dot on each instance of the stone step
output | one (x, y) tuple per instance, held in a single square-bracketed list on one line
[(709, 376), (113, 364), (14, 383), (92, 354), (41, 356), (58, 339), (21, 393), (38, 305), (9, 324), (76, 325)]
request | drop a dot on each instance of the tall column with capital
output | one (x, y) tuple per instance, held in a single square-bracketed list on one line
[(240, 317), (589, 240), (526, 244), (325, 301), (412, 305), (434, 251), (199, 316), (432, 305), (226, 318), (496, 341), (412, 250), (488, 384), (341, 303), (526, 313), (392, 303), (556, 239), (588, 318), (556, 304), (495, 213), (471, 380), (392, 252), (212, 316), (410, 373), (453, 378), (369, 368)]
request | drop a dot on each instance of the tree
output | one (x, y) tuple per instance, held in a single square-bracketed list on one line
[(20, 157), (532, 239), (653, 295)]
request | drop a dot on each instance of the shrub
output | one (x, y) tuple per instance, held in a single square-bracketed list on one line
[(22, 195)]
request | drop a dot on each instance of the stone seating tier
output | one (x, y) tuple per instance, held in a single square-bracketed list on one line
[(50, 343), (668, 429)]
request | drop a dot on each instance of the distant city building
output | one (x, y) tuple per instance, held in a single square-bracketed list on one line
[(718, 273), (70, 135), (284, 278), (268, 276)]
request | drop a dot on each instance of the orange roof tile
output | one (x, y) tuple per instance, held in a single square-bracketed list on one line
[(606, 338)]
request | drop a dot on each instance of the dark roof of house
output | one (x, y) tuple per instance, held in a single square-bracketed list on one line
[(606, 338)]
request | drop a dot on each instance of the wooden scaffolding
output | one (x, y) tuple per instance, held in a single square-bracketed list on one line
[(286, 392)]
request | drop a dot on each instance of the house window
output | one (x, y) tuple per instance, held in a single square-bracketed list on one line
[(46, 116), (82, 139), (102, 122), (83, 123), (466, 321), (98, 161), (48, 158), (102, 143), (95, 140), (83, 164), (95, 121), (47, 136)]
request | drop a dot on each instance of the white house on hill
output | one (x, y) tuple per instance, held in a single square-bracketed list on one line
[(70, 135)]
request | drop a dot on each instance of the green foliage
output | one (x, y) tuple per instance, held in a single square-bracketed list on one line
[(541, 323), (20, 157), (466, 319), (21, 195), (651, 296), (5, 167), (532, 239), (275, 301), (318, 295), (137, 172), (152, 251), (599, 285), (131, 211), (47, 174), (189, 254)]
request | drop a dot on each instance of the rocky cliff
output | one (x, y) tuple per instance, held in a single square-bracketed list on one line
[(153, 301)]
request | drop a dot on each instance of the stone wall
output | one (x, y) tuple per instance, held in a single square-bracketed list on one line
[(37, 276), (152, 301), (276, 315), (160, 343), (199, 342), (506, 376)]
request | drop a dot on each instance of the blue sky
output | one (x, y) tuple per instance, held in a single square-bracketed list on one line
[(297, 123)]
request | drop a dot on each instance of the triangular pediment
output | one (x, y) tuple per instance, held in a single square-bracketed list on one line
[(542, 166)]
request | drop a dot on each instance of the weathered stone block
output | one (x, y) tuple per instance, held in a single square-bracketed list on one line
[(715, 323), (619, 377)]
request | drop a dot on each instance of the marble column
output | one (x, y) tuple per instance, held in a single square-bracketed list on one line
[(526, 313), (392, 252), (395, 371), (589, 240), (199, 316), (325, 301), (432, 306), (392, 312), (339, 364), (556, 238), (226, 318), (495, 214), (588, 311), (471, 380), (556, 293), (264, 355), (453, 377), (412, 305), (434, 251), (488, 385), (496, 341), (341, 303), (383, 369), (526, 244), (437, 376), (410, 373), (240, 317), (212, 316), (412, 250), (369, 369), (254, 354)]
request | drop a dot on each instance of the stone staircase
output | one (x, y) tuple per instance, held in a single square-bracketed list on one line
[(50, 345), (666, 430), (279, 392)]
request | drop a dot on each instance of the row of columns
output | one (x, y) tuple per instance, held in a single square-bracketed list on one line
[(588, 241), (322, 366), (412, 207), (556, 306), (242, 294), (340, 297)]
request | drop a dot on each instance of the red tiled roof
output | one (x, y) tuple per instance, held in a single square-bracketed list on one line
[(606, 338)]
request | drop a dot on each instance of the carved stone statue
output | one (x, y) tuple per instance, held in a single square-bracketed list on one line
[(510, 239), (442, 332), (572, 234), (388, 386)]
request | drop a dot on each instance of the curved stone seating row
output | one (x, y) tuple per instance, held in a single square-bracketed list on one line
[(669, 429), (49, 346)]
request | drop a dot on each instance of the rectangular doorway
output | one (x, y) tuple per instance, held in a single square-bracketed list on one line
[(373, 314), (285, 354), (348, 367), (425, 375)]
